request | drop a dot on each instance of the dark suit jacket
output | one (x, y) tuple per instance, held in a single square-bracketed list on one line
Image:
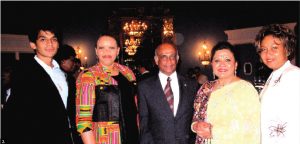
[(71, 108), (157, 122), (35, 113), (144, 76)]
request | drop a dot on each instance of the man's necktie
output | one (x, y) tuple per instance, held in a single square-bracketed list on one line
[(169, 94)]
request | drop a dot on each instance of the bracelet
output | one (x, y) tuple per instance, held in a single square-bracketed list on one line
[(192, 127)]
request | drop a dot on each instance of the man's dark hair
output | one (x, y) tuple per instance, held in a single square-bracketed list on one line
[(44, 26), (64, 52), (77, 60)]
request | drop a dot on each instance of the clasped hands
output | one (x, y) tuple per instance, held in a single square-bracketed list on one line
[(203, 129)]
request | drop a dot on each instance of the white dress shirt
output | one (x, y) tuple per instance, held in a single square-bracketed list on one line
[(58, 77), (8, 92), (280, 106), (174, 86)]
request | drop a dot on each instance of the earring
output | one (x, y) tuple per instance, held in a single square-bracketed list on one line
[(117, 59), (97, 59), (235, 72), (214, 76), (288, 54)]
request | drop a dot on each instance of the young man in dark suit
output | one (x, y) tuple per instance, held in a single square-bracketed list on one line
[(166, 102), (36, 111)]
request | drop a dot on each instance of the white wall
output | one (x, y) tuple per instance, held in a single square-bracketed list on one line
[(12, 43), (247, 35)]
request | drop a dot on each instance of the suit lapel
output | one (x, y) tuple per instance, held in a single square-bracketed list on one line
[(47, 80), (182, 95)]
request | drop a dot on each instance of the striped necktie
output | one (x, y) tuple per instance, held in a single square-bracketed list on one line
[(169, 94)]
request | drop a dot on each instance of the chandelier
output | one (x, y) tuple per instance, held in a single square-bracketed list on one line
[(132, 41), (204, 54), (131, 45), (135, 28), (168, 27), (131, 50)]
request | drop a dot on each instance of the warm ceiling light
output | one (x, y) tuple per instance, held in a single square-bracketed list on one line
[(135, 28), (168, 27), (204, 54), (131, 45)]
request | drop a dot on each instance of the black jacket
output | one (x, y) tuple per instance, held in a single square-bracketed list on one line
[(35, 112)]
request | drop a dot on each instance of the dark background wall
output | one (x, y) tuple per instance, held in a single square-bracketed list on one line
[(194, 21)]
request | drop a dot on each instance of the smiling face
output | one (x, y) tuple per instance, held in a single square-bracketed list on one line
[(107, 50), (46, 45), (272, 52), (224, 64), (166, 58)]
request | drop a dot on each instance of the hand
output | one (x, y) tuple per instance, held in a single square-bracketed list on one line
[(88, 137), (203, 129)]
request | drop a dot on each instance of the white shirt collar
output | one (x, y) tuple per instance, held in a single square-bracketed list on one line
[(45, 66), (145, 72), (164, 77)]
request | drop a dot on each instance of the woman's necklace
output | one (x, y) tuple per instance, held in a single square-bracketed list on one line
[(221, 85), (105, 75), (107, 70), (111, 70)]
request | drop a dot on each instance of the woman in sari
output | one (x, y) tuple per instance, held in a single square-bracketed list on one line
[(226, 109), (106, 111)]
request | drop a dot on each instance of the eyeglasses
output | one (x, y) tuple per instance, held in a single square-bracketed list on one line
[(165, 57)]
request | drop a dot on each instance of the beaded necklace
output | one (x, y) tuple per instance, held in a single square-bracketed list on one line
[(108, 71), (104, 75)]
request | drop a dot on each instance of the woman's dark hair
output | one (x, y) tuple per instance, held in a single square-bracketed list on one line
[(281, 32), (221, 46)]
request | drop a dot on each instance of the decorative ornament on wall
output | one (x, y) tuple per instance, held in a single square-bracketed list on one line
[(247, 68)]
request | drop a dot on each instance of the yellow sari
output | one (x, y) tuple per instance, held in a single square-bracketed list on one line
[(234, 112)]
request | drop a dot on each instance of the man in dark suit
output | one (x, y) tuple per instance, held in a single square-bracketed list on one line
[(166, 102), (143, 69), (36, 111)]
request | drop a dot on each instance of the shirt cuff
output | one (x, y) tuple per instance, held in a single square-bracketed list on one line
[(86, 129), (82, 127)]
